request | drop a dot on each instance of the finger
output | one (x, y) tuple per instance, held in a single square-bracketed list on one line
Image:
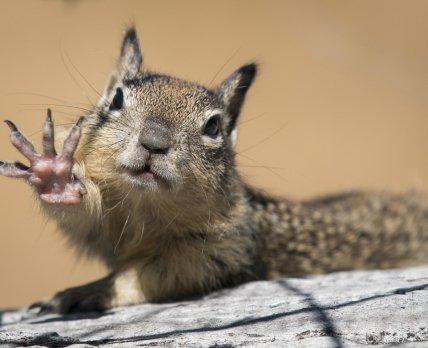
[(21, 142), (14, 170), (70, 144), (80, 187), (48, 137)]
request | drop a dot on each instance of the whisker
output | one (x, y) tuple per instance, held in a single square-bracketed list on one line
[(73, 78), (121, 233), (141, 235), (251, 119), (224, 64), (45, 96), (109, 210), (59, 105), (263, 166), (266, 138), (53, 111), (172, 220), (55, 126), (82, 76), (259, 166)]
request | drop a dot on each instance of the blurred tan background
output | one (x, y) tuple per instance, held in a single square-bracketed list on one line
[(341, 101)]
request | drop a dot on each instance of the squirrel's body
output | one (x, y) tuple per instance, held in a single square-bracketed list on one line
[(156, 195)]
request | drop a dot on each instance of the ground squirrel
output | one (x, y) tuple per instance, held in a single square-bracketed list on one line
[(147, 182)]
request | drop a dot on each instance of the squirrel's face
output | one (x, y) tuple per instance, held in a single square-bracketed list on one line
[(158, 132)]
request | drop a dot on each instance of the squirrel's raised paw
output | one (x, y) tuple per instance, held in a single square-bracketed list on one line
[(50, 173)]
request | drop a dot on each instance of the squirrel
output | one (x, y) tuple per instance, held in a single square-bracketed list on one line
[(147, 182)]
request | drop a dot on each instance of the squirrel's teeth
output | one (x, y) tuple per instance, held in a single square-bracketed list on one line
[(146, 169)]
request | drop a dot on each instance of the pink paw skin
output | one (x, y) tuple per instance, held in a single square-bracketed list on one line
[(50, 173)]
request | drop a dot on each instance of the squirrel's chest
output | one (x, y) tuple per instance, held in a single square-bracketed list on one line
[(177, 269)]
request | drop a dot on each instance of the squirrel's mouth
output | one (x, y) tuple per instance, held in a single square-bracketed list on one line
[(144, 170), (144, 175)]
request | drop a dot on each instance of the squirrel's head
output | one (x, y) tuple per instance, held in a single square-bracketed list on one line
[(158, 132)]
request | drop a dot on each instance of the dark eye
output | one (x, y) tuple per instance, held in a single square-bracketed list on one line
[(212, 127), (117, 102)]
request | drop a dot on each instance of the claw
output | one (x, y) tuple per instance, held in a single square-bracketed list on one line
[(41, 307), (82, 188), (35, 305), (48, 136), (80, 121), (21, 142), (21, 166), (49, 115), (11, 125), (14, 170), (70, 144)]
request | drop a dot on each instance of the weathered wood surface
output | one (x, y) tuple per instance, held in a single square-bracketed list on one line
[(346, 309)]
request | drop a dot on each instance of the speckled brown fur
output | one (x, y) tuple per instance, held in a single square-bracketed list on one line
[(199, 227)]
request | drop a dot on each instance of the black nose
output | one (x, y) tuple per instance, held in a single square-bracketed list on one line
[(156, 136)]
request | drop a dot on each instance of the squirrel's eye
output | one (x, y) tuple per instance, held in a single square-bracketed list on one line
[(117, 102), (212, 127)]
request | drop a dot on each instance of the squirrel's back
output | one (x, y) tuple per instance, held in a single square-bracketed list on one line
[(355, 230)]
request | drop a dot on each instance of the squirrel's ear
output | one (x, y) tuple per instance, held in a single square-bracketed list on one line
[(128, 65), (130, 59), (233, 91)]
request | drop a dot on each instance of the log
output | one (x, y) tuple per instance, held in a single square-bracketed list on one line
[(344, 309)]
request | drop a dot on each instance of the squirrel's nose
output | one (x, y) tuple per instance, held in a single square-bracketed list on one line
[(156, 136)]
